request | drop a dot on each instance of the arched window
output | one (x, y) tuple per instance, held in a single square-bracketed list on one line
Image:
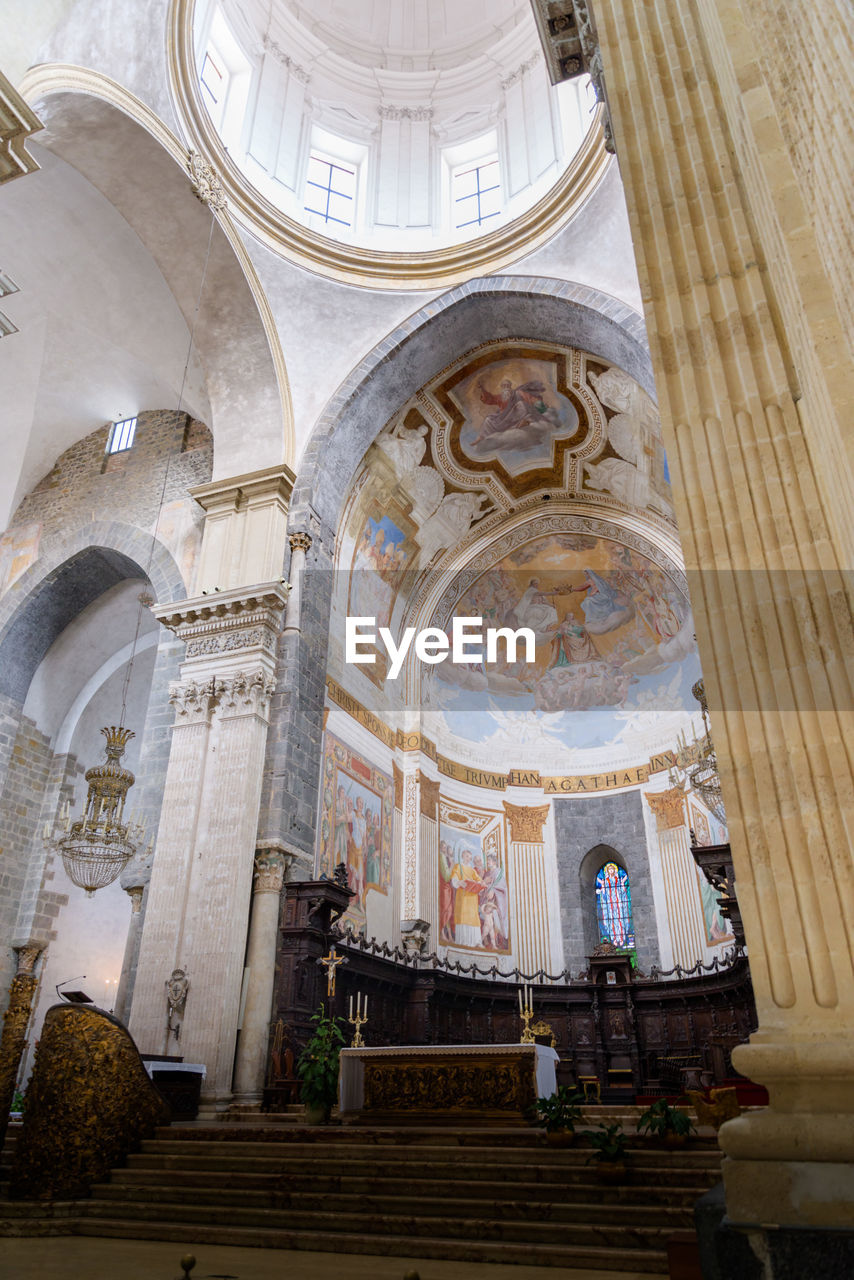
[(614, 906)]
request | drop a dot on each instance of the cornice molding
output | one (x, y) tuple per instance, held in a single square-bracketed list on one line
[(17, 123), (350, 264)]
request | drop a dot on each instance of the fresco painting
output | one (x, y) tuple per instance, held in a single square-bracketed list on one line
[(383, 553), (609, 626), (355, 824), (514, 411), (474, 910)]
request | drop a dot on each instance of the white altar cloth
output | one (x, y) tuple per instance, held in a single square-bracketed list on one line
[(198, 1068), (351, 1076)]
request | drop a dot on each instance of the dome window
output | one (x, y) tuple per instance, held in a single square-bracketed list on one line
[(330, 190), (476, 192)]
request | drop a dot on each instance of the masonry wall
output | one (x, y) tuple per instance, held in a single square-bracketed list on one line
[(582, 823)]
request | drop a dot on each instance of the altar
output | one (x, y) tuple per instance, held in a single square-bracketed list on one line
[(444, 1083)]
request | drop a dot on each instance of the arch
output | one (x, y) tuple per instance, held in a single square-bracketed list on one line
[(41, 603), (478, 311), (128, 154)]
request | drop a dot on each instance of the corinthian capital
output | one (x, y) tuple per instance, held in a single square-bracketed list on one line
[(245, 691), (271, 866), (193, 703)]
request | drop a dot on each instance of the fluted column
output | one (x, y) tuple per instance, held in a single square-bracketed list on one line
[(529, 911), (271, 865), (739, 314)]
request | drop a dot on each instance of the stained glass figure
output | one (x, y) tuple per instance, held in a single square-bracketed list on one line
[(614, 906)]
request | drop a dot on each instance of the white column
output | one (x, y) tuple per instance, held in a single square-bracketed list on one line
[(271, 864), (529, 919), (300, 543)]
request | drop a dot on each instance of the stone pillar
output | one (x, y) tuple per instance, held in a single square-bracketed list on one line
[(131, 956), (271, 866), (300, 543), (198, 901), (746, 343), (15, 1020)]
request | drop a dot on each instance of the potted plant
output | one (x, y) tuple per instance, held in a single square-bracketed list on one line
[(664, 1122), (317, 1069), (609, 1151), (558, 1115)]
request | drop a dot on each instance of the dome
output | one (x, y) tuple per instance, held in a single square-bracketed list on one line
[(386, 125)]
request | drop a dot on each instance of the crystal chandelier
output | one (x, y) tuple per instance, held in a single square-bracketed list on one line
[(96, 847)]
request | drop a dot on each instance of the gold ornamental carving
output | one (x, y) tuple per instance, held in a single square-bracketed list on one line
[(15, 1021), (89, 1102), (668, 807), (429, 796), (526, 825), (474, 1084), (300, 541), (398, 786)]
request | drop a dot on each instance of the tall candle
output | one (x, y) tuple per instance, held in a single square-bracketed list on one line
[(351, 1009), (520, 999), (365, 1010)]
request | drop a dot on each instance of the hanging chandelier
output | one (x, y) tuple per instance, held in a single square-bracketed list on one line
[(98, 846), (697, 763)]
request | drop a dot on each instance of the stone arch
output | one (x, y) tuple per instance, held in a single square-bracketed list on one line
[(473, 313), (41, 603), (133, 159)]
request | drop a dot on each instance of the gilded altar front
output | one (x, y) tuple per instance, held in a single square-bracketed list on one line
[(498, 1083)]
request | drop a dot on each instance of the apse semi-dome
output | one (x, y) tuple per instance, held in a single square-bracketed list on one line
[(371, 137)]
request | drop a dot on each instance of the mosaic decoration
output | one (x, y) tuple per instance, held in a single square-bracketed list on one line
[(614, 906), (356, 807)]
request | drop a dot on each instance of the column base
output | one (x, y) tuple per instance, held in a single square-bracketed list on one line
[(213, 1107), (790, 1194), (783, 1253)]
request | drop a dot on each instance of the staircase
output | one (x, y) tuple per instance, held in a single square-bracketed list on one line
[(478, 1195)]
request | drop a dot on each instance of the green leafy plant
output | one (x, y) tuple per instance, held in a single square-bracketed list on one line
[(317, 1069), (609, 1143), (559, 1112), (661, 1120), (17, 1102)]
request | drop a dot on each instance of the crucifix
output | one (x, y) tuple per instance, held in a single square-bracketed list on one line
[(330, 963)]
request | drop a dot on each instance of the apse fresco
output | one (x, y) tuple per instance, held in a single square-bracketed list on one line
[(614, 636), (474, 908), (383, 553), (514, 411), (355, 827)]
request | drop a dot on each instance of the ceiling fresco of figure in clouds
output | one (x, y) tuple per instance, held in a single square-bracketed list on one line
[(526, 485)]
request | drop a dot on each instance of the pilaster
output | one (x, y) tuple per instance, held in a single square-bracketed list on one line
[(198, 901), (753, 417)]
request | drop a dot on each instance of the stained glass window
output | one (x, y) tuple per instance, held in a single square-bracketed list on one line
[(614, 906)]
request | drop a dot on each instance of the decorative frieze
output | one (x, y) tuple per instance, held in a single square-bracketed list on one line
[(228, 631), (429, 796), (276, 51), (389, 111)]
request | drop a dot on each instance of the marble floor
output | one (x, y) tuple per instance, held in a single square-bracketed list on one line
[(94, 1259)]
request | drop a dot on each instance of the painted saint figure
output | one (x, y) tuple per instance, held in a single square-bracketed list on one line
[(515, 408), (467, 885)]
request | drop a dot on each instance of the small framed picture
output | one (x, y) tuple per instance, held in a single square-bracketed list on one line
[(611, 977)]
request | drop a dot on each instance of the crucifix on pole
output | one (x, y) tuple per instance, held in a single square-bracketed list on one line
[(330, 963)]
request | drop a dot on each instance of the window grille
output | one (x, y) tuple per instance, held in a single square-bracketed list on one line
[(477, 194), (121, 435), (330, 191)]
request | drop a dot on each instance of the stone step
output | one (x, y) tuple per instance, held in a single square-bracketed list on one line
[(643, 1174), (337, 1184), (522, 1207), (329, 1223), (594, 1258), (519, 1137), (648, 1152)]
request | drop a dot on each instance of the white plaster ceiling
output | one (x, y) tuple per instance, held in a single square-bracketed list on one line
[(99, 332), (398, 33)]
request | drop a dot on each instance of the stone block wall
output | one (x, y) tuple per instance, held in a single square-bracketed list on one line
[(582, 823)]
